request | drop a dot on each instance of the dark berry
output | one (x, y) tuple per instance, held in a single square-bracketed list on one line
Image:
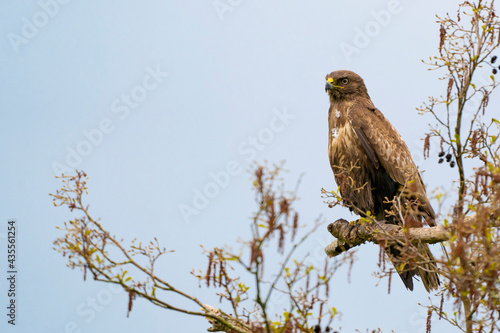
[(493, 59), (452, 164), (440, 161), (448, 157), (441, 154), (494, 70)]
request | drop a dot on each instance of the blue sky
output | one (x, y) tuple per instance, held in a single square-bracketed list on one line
[(155, 100)]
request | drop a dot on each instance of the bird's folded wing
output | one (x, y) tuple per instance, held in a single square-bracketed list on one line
[(383, 144)]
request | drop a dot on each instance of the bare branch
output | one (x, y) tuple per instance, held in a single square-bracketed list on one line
[(350, 235), (217, 326)]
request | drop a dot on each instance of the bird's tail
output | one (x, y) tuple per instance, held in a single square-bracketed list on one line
[(425, 264)]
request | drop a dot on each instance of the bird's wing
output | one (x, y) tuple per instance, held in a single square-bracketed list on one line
[(384, 145), (365, 143)]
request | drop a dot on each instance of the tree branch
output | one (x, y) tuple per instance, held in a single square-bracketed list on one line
[(350, 235), (217, 326)]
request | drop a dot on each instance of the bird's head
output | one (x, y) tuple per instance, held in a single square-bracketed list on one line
[(345, 85)]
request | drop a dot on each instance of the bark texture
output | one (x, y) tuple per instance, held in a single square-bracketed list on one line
[(351, 234)]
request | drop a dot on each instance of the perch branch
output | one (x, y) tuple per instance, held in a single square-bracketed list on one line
[(350, 235)]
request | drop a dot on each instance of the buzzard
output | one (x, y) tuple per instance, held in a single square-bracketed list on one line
[(375, 172)]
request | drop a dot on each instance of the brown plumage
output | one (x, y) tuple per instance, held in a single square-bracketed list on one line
[(374, 170)]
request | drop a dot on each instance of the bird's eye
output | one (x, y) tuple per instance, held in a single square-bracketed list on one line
[(345, 80)]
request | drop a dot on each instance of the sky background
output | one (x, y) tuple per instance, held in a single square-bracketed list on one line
[(207, 81)]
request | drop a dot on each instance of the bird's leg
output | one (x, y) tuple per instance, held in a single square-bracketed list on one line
[(352, 226)]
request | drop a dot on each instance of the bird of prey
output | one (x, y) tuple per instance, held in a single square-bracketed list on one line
[(375, 172)]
